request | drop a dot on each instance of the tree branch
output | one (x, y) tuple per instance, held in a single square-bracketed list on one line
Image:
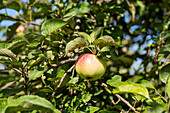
[(60, 63), (24, 21)]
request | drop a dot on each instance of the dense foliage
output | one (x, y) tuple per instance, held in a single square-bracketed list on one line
[(40, 49)]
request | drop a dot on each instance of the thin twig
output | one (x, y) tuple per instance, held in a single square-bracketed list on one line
[(126, 102), (72, 67), (6, 85), (121, 98), (69, 70), (24, 21), (59, 64)]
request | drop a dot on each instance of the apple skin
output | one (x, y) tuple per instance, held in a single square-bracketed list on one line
[(90, 67)]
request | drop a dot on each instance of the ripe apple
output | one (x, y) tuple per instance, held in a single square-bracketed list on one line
[(90, 67)]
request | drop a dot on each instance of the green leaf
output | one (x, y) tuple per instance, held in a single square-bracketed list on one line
[(93, 109), (51, 25), (17, 42), (34, 74), (115, 81), (7, 61), (33, 36), (60, 73), (73, 44), (73, 12), (164, 73), (73, 80), (126, 60), (168, 87), (95, 33), (42, 3), (38, 61), (126, 87), (30, 102), (86, 97), (8, 53), (147, 84), (105, 41), (85, 7), (85, 36), (12, 4)]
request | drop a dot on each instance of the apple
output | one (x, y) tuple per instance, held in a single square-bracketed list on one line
[(90, 67)]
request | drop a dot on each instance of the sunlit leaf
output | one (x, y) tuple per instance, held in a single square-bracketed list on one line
[(164, 73), (114, 81), (86, 97), (73, 12), (73, 44), (126, 87), (30, 102), (34, 74), (85, 7), (93, 109), (8, 53), (51, 25)]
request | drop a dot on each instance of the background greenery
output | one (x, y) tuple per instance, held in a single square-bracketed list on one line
[(39, 56)]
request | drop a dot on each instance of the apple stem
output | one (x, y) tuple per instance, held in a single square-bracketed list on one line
[(90, 49)]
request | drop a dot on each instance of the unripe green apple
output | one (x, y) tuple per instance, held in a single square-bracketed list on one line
[(90, 67)]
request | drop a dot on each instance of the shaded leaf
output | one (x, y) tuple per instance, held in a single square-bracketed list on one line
[(85, 7), (12, 4), (30, 102), (164, 73), (8, 53), (126, 60), (85, 35), (147, 84), (105, 41), (42, 3), (168, 87), (38, 61), (73, 44), (7, 61), (33, 36), (17, 42), (115, 81), (95, 33), (126, 87), (51, 25)]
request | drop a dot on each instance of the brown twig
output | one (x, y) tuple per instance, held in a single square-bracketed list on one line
[(125, 101), (121, 98), (72, 67), (59, 64), (61, 80), (24, 21)]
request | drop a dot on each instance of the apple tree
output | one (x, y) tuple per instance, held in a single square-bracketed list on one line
[(42, 71)]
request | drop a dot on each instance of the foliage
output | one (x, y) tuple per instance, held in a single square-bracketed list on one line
[(41, 47)]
